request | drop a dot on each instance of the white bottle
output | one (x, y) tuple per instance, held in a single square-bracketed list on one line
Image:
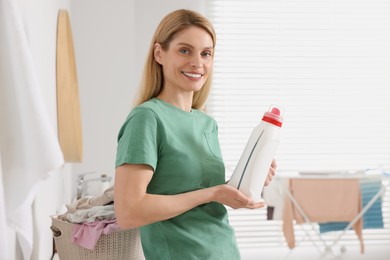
[(252, 169)]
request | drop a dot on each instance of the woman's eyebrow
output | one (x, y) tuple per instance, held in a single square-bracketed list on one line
[(192, 47)]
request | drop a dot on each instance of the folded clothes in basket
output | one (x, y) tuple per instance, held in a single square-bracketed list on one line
[(87, 234), (93, 214), (106, 198), (121, 244), (91, 217)]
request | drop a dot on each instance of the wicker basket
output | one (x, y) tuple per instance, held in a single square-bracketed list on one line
[(124, 244)]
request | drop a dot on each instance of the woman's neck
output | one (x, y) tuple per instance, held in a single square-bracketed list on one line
[(180, 100)]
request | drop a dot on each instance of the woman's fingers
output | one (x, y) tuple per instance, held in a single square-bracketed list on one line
[(273, 164), (235, 199), (255, 205), (271, 173)]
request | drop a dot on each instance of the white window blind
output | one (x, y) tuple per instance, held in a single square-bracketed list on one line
[(327, 63)]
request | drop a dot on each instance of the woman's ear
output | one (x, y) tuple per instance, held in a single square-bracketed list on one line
[(158, 53)]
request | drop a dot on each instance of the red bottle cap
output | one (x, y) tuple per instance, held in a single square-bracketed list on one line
[(273, 116)]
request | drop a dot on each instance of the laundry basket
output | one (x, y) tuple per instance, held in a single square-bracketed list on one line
[(123, 244)]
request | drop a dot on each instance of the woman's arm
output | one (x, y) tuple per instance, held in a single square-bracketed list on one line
[(134, 207)]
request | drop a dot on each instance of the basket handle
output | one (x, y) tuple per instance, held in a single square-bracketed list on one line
[(56, 231)]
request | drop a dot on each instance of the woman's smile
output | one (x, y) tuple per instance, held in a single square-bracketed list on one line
[(192, 75)]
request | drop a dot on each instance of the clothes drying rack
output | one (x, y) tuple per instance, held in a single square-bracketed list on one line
[(328, 247)]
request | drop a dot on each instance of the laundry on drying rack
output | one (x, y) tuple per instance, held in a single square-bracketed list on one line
[(322, 200), (372, 219), (274, 196)]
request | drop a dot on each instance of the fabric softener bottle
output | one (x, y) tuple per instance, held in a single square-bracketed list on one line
[(252, 168)]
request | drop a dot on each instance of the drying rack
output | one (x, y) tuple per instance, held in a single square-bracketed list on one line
[(328, 247)]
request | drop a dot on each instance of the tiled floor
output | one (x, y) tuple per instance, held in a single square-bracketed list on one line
[(372, 252)]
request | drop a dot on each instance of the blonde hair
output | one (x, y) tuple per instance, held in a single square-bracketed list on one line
[(152, 81)]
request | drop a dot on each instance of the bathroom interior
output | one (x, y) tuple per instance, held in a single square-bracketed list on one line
[(111, 39)]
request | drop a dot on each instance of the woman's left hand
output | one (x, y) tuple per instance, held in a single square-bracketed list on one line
[(271, 172)]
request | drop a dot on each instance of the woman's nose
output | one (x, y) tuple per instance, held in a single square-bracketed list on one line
[(196, 62)]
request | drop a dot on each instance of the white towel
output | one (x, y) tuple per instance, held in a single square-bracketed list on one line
[(106, 212), (29, 148), (3, 223), (274, 195)]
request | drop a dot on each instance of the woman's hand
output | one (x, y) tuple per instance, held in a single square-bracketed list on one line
[(271, 173), (232, 197)]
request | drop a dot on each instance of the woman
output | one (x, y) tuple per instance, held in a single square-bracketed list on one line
[(170, 176)]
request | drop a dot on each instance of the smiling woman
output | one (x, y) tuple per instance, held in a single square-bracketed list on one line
[(170, 176)]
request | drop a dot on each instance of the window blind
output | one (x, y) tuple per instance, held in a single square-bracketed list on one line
[(326, 63)]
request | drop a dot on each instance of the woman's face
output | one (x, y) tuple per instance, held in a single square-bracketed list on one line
[(187, 61)]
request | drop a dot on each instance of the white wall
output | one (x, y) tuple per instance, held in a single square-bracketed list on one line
[(103, 33)]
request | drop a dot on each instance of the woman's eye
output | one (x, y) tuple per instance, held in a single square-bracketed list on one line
[(184, 51), (206, 54)]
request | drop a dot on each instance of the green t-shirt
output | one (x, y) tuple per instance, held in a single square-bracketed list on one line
[(183, 149)]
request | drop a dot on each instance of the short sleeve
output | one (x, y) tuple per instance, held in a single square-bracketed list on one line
[(138, 140)]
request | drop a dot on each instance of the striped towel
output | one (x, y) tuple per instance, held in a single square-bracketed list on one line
[(372, 219)]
